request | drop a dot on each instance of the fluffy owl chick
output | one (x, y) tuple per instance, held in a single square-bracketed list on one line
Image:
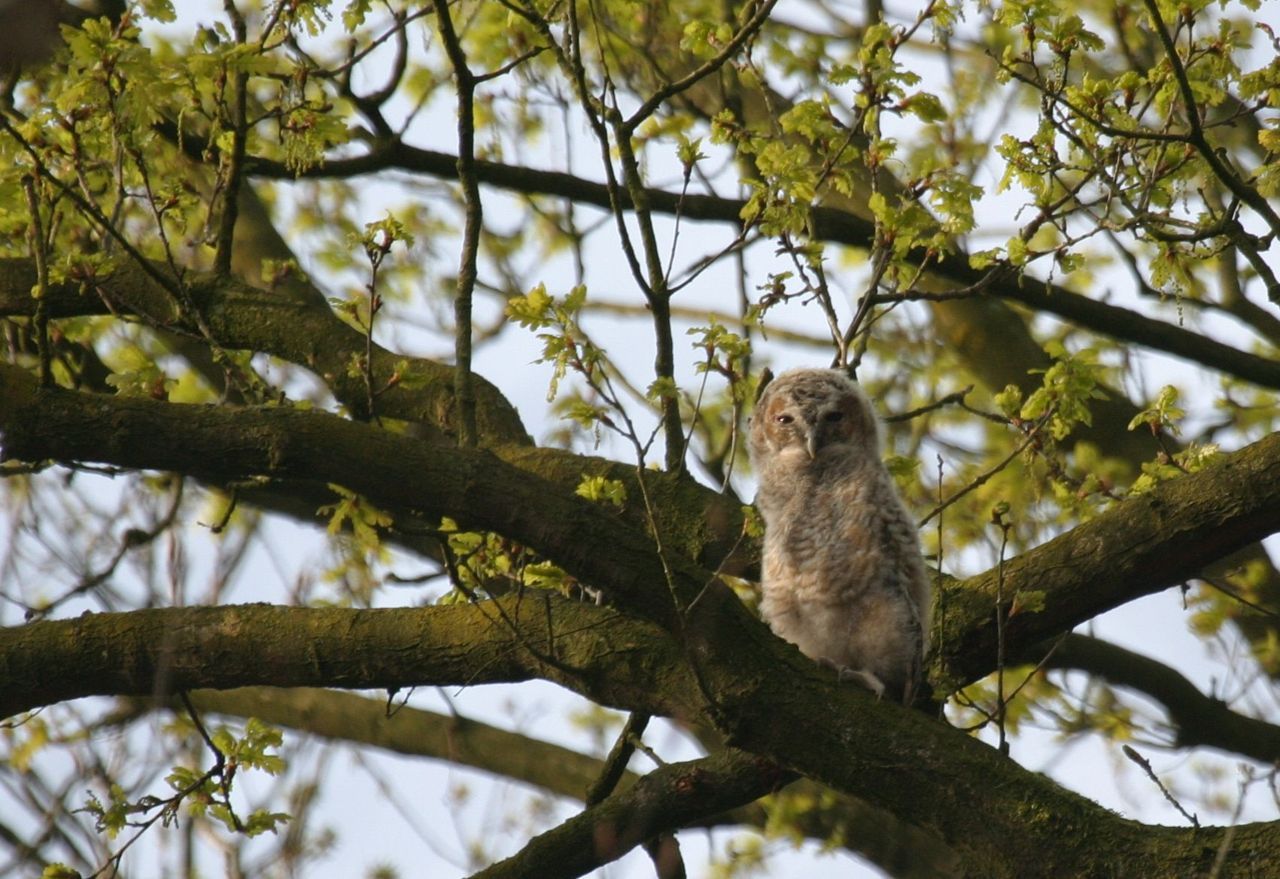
[(843, 579)]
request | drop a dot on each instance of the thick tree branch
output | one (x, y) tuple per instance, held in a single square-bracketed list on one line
[(1145, 544), (161, 651), (670, 797), (900, 849), (763, 692), (934, 777), (304, 332), (1140, 546), (476, 489)]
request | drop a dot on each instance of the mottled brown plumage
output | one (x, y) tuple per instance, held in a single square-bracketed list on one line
[(843, 579)]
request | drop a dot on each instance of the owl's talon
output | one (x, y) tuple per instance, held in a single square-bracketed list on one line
[(863, 677)]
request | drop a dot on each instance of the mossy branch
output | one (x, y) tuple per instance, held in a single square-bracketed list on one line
[(1138, 547)]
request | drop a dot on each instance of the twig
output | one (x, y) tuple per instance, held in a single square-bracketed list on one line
[(39, 252), (997, 517), (1220, 857), (377, 251), (1232, 593), (234, 166), (465, 84), (233, 500), (982, 479), (954, 398), (1146, 767), (615, 765)]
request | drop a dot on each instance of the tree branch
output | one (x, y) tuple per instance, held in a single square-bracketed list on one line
[(900, 849), (762, 692), (478, 490), (935, 777), (465, 85), (1140, 546), (665, 800), (350, 717), (306, 333), (161, 651), (1198, 719)]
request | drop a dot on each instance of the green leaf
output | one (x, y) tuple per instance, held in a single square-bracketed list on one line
[(262, 821), (532, 309), (59, 871), (1027, 601), (602, 490), (925, 107), (1163, 414), (355, 13)]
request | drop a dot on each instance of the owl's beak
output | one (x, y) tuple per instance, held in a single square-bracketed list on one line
[(811, 445)]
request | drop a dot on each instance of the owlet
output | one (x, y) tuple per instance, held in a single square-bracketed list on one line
[(843, 578)]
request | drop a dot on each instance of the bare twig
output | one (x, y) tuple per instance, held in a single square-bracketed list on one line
[(465, 83), (233, 164), (953, 399), (39, 247), (1145, 764), (1031, 437), (615, 764), (998, 518)]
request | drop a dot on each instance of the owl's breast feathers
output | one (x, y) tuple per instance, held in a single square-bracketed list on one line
[(833, 532), (831, 535)]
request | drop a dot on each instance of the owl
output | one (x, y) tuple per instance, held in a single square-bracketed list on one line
[(843, 578)]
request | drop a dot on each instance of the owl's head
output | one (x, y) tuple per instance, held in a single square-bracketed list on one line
[(813, 415)]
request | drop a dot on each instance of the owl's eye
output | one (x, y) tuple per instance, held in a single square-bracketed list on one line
[(784, 418), (833, 416)]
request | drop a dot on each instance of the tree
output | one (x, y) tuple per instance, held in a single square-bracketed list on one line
[(224, 234)]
